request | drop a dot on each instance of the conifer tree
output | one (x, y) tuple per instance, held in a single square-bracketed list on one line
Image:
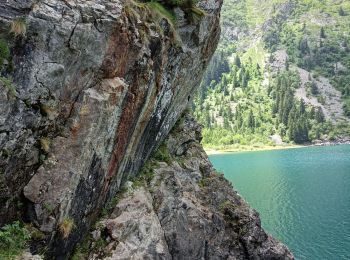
[(319, 116), (237, 61), (322, 33), (314, 88)]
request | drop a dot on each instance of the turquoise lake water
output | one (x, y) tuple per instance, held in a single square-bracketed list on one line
[(302, 195)]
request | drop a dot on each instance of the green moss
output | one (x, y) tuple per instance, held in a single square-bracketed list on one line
[(224, 205), (88, 246), (48, 207), (145, 175), (35, 234), (82, 250), (8, 85), (4, 52), (163, 11), (162, 154), (13, 240), (5, 153), (114, 201)]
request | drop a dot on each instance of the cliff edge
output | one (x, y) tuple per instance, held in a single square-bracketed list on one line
[(89, 90)]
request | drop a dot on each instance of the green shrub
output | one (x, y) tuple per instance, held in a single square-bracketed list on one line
[(13, 240)]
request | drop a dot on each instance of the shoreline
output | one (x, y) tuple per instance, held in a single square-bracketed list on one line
[(211, 151), (242, 149)]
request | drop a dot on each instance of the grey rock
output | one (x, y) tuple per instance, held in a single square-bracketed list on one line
[(99, 84), (194, 218), (29, 256)]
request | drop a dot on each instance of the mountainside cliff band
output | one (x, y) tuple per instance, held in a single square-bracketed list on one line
[(89, 89), (181, 208)]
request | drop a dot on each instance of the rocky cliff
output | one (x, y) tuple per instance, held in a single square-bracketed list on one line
[(181, 208), (97, 86)]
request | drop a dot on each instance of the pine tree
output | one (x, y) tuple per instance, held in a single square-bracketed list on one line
[(322, 33), (304, 46), (341, 12), (226, 123), (237, 61), (231, 97), (312, 112), (207, 120), (221, 111), (319, 116), (244, 81), (314, 88), (291, 122), (302, 107), (251, 121), (287, 65), (301, 131)]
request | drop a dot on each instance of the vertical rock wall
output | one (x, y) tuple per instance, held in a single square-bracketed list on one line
[(98, 85)]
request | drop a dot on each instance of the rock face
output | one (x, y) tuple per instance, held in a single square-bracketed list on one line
[(185, 211), (98, 85)]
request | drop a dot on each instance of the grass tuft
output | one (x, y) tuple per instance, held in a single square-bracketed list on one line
[(19, 27), (45, 144), (66, 227)]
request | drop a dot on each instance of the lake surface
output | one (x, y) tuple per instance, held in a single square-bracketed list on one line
[(302, 195)]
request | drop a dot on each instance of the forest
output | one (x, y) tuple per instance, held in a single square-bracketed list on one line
[(278, 73)]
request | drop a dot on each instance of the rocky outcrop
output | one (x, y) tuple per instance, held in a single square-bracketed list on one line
[(98, 86), (185, 210)]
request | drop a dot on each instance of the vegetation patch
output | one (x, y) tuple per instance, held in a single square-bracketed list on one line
[(162, 11), (13, 240), (248, 94), (66, 227), (4, 52), (114, 201), (8, 85), (19, 27), (162, 154)]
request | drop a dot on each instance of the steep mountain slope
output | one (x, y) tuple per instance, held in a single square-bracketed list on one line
[(90, 89), (282, 69)]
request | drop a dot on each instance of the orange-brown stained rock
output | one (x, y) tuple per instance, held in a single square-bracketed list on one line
[(118, 53)]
